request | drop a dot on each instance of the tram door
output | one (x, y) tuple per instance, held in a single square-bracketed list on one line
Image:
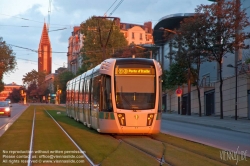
[(184, 105), (209, 103)]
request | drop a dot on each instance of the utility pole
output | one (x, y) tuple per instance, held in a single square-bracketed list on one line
[(100, 35), (237, 58)]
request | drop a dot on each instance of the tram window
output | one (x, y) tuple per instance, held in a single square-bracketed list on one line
[(107, 104), (77, 92), (87, 86), (96, 92), (135, 92), (80, 91)]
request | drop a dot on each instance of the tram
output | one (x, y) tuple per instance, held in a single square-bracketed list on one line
[(120, 95)]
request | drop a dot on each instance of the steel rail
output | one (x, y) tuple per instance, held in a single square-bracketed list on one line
[(83, 152)]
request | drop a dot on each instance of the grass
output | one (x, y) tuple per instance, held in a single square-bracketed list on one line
[(50, 139), (17, 137), (126, 155), (196, 148), (153, 147), (102, 148), (177, 156)]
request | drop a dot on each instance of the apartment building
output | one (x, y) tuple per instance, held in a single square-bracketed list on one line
[(137, 34), (75, 44), (134, 33), (8, 88)]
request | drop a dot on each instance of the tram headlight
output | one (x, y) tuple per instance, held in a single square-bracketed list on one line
[(150, 119), (121, 118)]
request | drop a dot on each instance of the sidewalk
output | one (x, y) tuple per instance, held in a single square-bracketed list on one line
[(240, 125)]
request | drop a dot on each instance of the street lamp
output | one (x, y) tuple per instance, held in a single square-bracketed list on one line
[(236, 85), (169, 30), (189, 73)]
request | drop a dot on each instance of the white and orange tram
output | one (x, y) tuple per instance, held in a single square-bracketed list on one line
[(120, 96)]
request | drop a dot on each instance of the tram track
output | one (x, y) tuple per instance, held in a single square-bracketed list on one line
[(78, 147), (161, 160), (184, 149)]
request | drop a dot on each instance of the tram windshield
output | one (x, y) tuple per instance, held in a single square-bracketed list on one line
[(135, 92)]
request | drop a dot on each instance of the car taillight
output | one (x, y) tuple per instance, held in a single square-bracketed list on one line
[(7, 109), (150, 119), (121, 118)]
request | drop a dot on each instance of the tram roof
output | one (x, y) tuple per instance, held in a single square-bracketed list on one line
[(120, 61)]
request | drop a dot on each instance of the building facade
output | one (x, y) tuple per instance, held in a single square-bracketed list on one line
[(75, 44), (134, 33), (137, 34), (45, 52), (8, 88), (209, 78)]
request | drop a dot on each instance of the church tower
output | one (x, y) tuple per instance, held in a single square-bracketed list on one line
[(44, 52)]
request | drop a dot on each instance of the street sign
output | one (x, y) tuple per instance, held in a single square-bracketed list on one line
[(178, 92)]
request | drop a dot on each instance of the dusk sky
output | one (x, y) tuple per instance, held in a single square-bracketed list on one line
[(21, 23)]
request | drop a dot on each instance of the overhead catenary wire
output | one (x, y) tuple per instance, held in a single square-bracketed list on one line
[(26, 19), (33, 49), (109, 8), (116, 7)]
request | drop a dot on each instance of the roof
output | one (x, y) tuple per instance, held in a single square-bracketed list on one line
[(45, 37), (171, 22)]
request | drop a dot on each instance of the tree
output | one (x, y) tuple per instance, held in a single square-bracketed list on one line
[(188, 42), (102, 38), (35, 82), (221, 34), (15, 95), (34, 77), (175, 76), (133, 50), (81, 70), (61, 82), (7, 61)]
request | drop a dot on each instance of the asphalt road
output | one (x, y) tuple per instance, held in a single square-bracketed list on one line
[(215, 137), (6, 122)]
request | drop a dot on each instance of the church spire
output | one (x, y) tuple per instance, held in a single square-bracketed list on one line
[(45, 52)]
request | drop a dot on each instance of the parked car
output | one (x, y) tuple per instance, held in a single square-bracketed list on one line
[(5, 108), (9, 101)]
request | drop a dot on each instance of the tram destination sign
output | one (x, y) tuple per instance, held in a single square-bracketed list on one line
[(133, 71)]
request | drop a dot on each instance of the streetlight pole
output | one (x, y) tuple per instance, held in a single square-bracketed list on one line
[(236, 86), (189, 74)]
